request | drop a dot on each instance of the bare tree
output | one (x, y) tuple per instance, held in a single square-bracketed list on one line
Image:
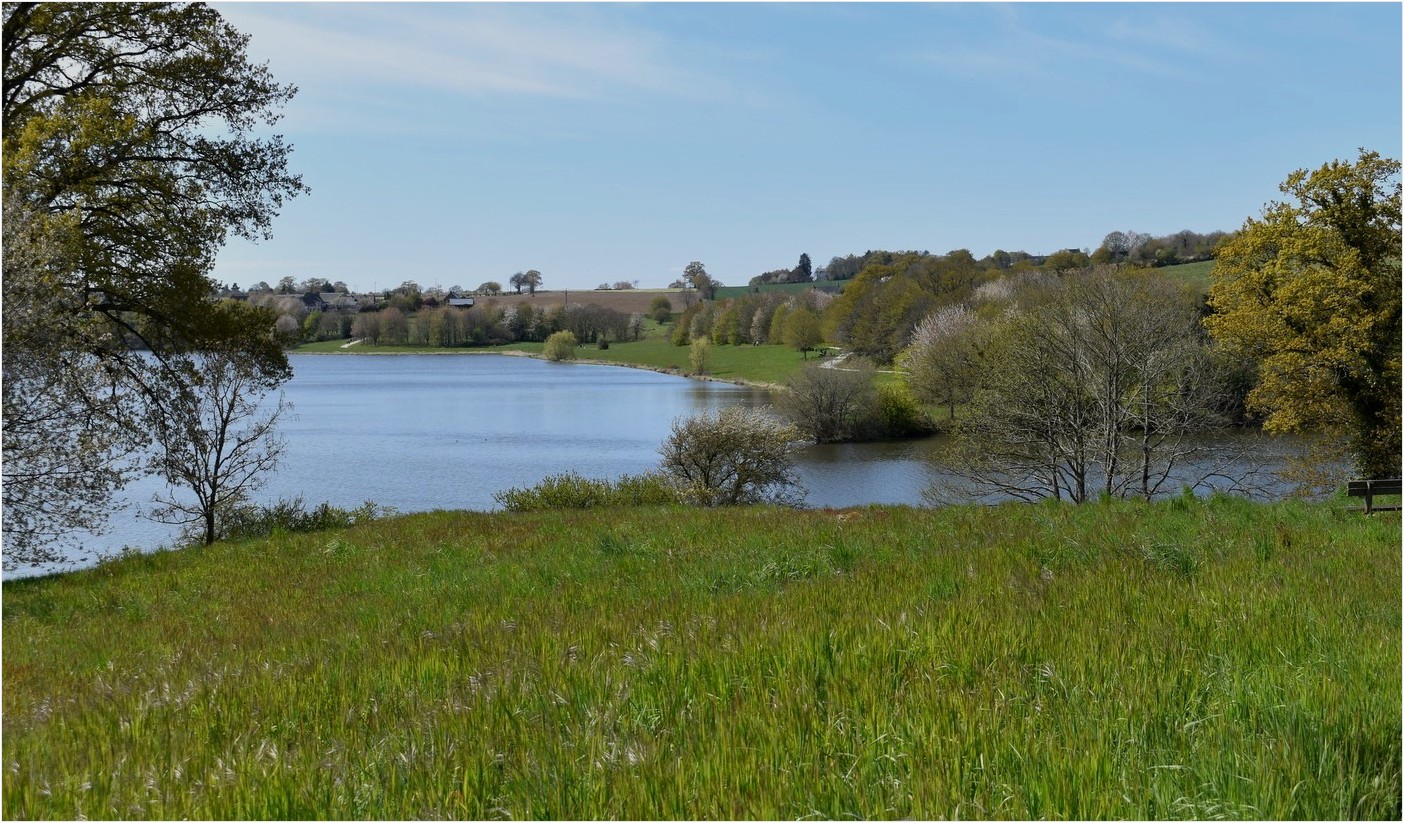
[(1095, 387), (394, 327), (366, 327), (287, 330), (830, 404), (216, 440), (733, 457), (944, 358)]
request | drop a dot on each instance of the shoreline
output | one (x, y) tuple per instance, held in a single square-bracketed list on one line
[(736, 381)]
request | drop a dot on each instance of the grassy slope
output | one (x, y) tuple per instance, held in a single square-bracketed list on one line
[(1194, 273), (1113, 661), (762, 365)]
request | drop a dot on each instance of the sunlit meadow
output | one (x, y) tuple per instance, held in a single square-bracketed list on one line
[(1187, 659)]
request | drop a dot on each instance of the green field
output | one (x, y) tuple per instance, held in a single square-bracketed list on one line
[(1190, 659), (1196, 274), (757, 365)]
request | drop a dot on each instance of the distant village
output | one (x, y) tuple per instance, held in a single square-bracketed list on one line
[(314, 295)]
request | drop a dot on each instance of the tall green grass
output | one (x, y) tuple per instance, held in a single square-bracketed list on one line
[(1189, 659)]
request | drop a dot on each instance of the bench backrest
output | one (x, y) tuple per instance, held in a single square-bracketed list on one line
[(1364, 488)]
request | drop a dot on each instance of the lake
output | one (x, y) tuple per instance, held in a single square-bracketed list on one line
[(447, 431)]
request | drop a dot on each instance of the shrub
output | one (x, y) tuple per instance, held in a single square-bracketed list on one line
[(736, 456), (660, 309), (560, 346), (700, 355), (246, 522), (830, 404), (897, 414), (572, 491)]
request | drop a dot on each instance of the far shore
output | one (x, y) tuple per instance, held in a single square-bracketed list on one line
[(581, 360)]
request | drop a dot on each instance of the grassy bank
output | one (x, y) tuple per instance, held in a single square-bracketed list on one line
[(1186, 659), (755, 365), (1196, 274)]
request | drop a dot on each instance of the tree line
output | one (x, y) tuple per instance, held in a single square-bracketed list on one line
[(1117, 247), (486, 325)]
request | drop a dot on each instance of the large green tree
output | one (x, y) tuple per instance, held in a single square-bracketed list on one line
[(1311, 291), (133, 148), (695, 275)]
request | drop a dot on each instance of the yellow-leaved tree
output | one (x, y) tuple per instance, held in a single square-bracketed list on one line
[(1311, 291)]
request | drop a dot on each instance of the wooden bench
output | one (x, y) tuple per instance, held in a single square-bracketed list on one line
[(1369, 488)]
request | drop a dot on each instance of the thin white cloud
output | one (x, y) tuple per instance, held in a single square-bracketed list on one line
[(1015, 51), (1165, 33), (465, 50)]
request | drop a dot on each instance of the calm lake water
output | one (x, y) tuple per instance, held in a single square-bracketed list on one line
[(425, 432)]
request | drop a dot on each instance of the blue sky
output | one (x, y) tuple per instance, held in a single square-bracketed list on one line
[(451, 143)]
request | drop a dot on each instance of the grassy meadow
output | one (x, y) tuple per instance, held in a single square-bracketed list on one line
[(756, 365), (1186, 659), (1196, 274)]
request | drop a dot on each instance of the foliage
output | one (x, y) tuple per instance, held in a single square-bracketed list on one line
[(68, 442), (803, 272), (699, 355), (695, 277), (591, 323), (214, 440), (129, 155), (1091, 389), (530, 280), (1171, 250), (571, 491), (726, 324), (736, 456), (660, 309), (875, 314), (1120, 661), (1066, 260), (802, 332), (1312, 292), (560, 346), (291, 516), (139, 120), (829, 405), (287, 331), (944, 362), (898, 415)]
